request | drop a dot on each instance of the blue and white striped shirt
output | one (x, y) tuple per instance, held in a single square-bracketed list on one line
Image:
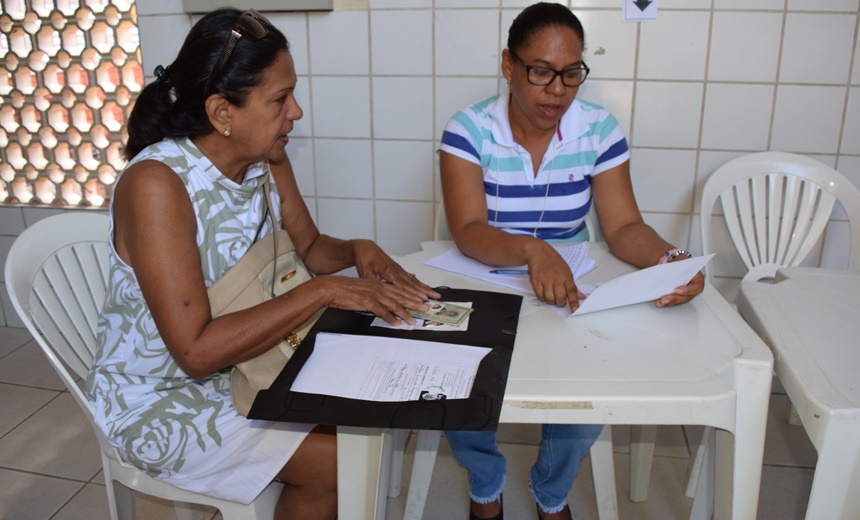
[(554, 203)]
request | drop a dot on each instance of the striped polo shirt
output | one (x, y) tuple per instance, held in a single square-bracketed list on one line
[(554, 203)]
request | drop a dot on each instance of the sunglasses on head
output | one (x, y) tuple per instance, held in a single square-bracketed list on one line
[(250, 23)]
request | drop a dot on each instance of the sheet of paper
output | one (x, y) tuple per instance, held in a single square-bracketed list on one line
[(453, 260), (375, 368), (641, 286)]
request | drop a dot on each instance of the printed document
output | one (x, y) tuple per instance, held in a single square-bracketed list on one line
[(375, 368), (640, 286)]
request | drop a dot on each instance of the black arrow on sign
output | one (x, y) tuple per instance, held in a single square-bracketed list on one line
[(642, 4)]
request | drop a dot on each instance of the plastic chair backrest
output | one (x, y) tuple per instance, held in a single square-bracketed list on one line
[(441, 231), (56, 275), (776, 206)]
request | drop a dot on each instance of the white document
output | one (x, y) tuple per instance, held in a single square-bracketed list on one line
[(641, 286), (453, 260), (375, 368)]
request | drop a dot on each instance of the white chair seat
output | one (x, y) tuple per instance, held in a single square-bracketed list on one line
[(56, 275)]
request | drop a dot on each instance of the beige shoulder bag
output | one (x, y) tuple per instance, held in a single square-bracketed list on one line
[(270, 268)]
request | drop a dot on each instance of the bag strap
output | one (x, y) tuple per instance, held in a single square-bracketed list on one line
[(267, 190)]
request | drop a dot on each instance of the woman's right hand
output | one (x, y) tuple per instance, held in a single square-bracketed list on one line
[(383, 299), (551, 278)]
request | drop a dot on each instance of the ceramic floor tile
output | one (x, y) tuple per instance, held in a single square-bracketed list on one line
[(19, 403), (11, 338), (57, 440), (786, 444), (33, 497), (784, 493), (671, 441), (90, 503), (28, 366)]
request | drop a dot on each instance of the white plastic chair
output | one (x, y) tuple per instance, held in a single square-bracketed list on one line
[(56, 275), (776, 206), (427, 443)]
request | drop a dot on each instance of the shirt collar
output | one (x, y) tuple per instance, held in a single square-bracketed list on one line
[(570, 127)]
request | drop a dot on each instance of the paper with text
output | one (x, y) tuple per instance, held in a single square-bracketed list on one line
[(453, 260), (375, 368), (641, 286)]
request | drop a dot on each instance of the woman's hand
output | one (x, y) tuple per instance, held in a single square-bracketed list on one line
[(551, 278), (383, 299), (373, 263), (684, 293)]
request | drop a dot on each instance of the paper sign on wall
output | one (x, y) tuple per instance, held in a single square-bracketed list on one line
[(639, 10)]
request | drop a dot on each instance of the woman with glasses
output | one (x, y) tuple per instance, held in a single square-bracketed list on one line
[(204, 141), (520, 170)]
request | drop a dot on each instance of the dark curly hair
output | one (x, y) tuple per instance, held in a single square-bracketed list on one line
[(538, 17), (174, 105)]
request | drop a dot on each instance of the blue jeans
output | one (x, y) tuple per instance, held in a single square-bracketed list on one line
[(561, 450)]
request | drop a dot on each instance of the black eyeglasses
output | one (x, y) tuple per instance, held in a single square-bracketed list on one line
[(251, 23), (543, 76)]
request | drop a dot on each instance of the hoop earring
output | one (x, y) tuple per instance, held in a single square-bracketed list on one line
[(226, 132)]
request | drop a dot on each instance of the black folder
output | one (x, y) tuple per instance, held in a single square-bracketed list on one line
[(493, 324)]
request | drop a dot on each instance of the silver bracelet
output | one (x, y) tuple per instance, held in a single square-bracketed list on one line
[(675, 253)]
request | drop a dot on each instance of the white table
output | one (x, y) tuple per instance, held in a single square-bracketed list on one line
[(810, 318), (693, 364)]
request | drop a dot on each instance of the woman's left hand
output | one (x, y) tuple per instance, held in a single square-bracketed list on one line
[(684, 293), (372, 262)]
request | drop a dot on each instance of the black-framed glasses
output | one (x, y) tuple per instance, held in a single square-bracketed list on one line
[(250, 23), (543, 76)]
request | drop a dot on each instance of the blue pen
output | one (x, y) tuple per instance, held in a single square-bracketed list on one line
[(509, 271)]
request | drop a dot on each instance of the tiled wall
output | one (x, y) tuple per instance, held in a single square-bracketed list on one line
[(708, 81)]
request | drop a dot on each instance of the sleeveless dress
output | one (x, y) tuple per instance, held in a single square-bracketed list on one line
[(177, 429)]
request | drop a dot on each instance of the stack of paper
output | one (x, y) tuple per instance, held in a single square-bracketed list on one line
[(453, 260)]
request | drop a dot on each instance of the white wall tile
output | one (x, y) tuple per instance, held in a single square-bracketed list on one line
[(33, 215), (727, 261), (5, 246), (737, 116), (339, 42), (401, 4), (402, 226), (855, 69), (745, 46), (343, 168), (301, 153), (340, 106), (675, 46), (295, 28), (467, 42), (11, 221), (401, 42), (311, 203), (777, 5), (817, 48), (304, 126), (823, 5), (466, 3), (849, 166), (675, 229), (525, 3), (147, 7), (164, 34), (666, 114), (403, 108), (851, 133), (663, 180), (610, 46), (346, 218), (615, 96), (836, 247), (404, 170), (807, 119), (455, 94), (709, 161), (683, 4), (578, 4)]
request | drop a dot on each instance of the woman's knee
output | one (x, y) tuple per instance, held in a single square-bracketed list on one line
[(315, 461)]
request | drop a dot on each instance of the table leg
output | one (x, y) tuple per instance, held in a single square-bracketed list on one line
[(363, 465), (837, 473)]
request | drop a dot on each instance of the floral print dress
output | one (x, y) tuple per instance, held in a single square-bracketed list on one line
[(177, 429)]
